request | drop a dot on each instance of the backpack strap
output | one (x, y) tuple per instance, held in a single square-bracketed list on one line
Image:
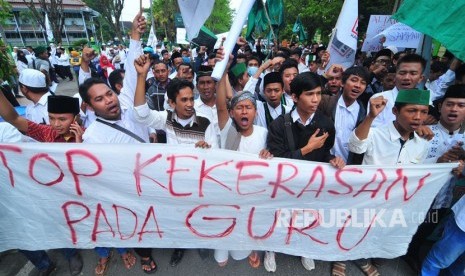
[(288, 129)]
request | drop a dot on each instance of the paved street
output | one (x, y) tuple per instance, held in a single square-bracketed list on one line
[(16, 264)]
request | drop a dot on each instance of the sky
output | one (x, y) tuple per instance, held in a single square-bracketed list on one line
[(130, 9)]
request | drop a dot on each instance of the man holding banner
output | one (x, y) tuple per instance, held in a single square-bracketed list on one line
[(394, 143), (115, 124), (304, 133)]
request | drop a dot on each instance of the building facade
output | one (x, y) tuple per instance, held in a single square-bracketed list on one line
[(21, 29)]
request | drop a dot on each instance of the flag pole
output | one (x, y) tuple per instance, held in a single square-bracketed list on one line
[(269, 21), (231, 39), (153, 20)]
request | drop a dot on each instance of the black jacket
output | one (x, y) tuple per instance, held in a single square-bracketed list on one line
[(278, 144)]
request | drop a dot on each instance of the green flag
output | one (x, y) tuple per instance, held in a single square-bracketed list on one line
[(275, 10), (299, 29), (205, 38), (442, 20), (257, 21)]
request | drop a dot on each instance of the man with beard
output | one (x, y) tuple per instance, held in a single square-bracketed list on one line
[(115, 124)]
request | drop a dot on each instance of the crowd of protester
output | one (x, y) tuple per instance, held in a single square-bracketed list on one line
[(283, 102)]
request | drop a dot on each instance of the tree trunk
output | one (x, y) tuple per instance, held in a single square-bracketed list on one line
[(118, 29)]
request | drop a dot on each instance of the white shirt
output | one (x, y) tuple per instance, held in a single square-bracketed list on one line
[(383, 147), (100, 133), (459, 212), (438, 87), (9, 134), (345, 122), (253, 143), (123, 55), (38, 112), (289, 101), (302, 68), (440, 144), (173, 75), (30, 60), (21, 66), (89, 116), (386, 116), (158, 120), (296, 118), (274, 112), (63, 60), (211, 113)]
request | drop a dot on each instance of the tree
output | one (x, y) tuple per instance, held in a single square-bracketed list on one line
[(323, 14), (6, 63), (163, 12), (221, 17), (5, 11), (111, 12), (54, 10)]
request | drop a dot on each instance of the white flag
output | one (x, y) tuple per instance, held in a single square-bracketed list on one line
[(343, 43), (152, 41), (194, 14), (48, 29)]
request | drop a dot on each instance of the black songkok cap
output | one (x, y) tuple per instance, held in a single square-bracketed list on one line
[(455, 91), (63, 104), (272, 77)]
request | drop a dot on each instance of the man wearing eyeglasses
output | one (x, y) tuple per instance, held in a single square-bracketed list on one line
[(379, 68)]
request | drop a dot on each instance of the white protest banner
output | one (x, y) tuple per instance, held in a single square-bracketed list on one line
[(343, 43), (146, 195), (181, 36), (401, 36), (376, 25)]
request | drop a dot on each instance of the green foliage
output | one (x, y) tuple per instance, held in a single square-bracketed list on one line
[(6, 63), (80, 42), (5, 11), (103, 30), (110, 11), (163, 12), (221, 17), (323, 14)]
